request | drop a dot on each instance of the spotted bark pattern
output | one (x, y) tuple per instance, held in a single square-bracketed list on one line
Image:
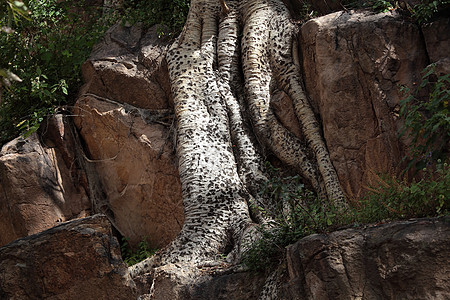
[(224, 68)]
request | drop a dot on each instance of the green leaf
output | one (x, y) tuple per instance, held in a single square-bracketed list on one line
[(46, 56)]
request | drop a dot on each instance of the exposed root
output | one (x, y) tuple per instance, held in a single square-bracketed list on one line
[(214, 196), (267, 61), (220, 164), (288, 77)]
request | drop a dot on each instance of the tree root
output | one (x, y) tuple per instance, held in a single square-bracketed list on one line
[(220, 163), (268, 61)]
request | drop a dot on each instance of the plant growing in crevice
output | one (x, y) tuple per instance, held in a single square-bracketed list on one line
[(299, 213), (394, 199), (375, 5), (427, 121), (381, 5), (390, 199), (426, 9), (142, 251)]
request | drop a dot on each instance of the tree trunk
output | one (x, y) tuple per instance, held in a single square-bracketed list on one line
[(222, 77)]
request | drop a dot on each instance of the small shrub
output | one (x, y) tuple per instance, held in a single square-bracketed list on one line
[(427, 122), (424, 11), (392, 199), (395, 199), (171, 14), (298, 213), (45, 51), (142, 252)]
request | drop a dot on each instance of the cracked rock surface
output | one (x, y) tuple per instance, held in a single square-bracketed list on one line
[(79, 259), (124, 117), (354, 63), (41, 183), (401, 260), (136, 167)]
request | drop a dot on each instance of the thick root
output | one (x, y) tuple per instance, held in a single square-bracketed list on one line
[(219, 160), (267, 61)]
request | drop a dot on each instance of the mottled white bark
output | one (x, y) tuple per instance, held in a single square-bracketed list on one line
[(219, 82), (268, 64)]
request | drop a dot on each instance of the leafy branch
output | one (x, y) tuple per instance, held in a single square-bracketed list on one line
[(427, 121)]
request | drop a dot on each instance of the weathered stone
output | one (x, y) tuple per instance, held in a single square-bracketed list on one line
[(314, 8), (39, 184), (284, 110), (401, 260), (353, 64), (398, 260), (136, 164), (437, 39), (243, 285), (77, 259), (128, 66), (184, 281)]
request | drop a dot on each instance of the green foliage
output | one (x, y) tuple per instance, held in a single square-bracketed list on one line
[(12, 10), (298, 214), (45, 51), (382, 5), (390, 200), (142, 252), (302, 220), (427, 122), (375, 5), (40, 60), (426, 9), (395, 199), (171, 14)]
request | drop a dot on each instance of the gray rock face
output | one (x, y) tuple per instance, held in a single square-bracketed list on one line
[(40, 183), (75, 260), (401, 260)]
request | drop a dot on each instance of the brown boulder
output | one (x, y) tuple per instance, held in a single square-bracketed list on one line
[(75, 260), (39, 184), (401, 260), (353, 64), (136, 164), (128, 66), (284, 110)]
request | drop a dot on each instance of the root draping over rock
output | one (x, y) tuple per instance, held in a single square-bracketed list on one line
[(223, 68)]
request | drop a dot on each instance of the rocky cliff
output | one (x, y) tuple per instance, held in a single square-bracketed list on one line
[(113, 154)]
